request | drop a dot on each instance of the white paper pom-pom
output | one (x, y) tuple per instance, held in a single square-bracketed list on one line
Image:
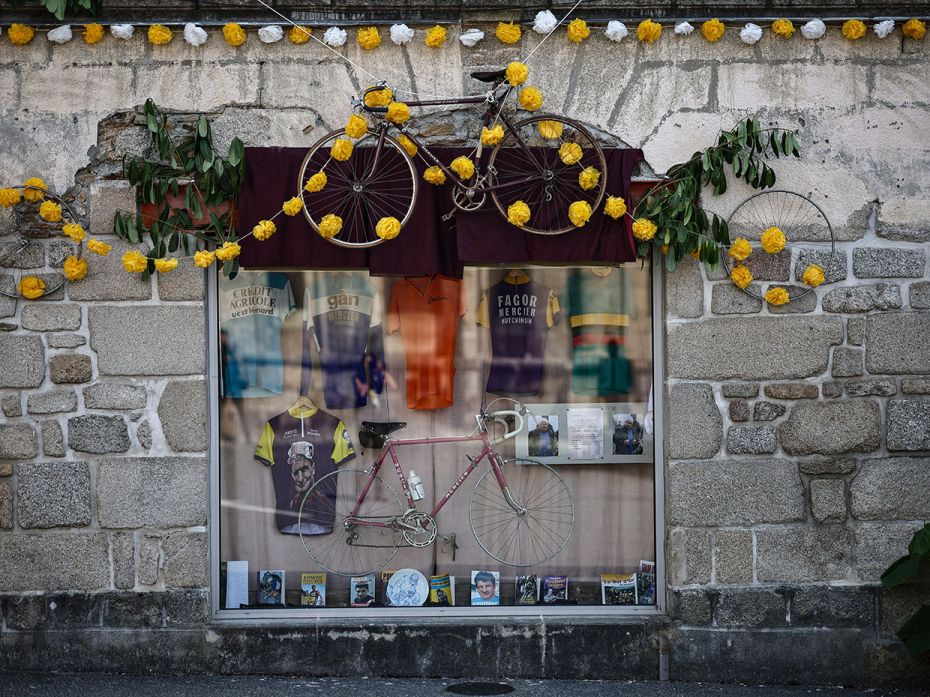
[(883, 29), (545, 22), (683, 28), (335, 37), (616, 30), (60, 35), (270, 34), (470, 37), (751, 33), (401, 34), (194, 35), (813, 29), (122, 31)]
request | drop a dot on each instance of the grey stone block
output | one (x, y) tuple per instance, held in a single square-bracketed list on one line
[(833, 606), (185, 563), (107, 279), (739, 410), (881, 262), (689, 556), (18, 441), (833, 465), (803, 554), (55, 317), (55, 611), (106, 395), (105, 199), (791, 390), (770, 267), (733, 556), (727, 349), (879, 545), (893, 488), (767, 411), (53, 494), (144, 435), (847, 362), (898, 343), (691, 607), (750, 607), (134, 340), (831, 428), (855, 331), (65, 341), (684, 290), (734, 492), (6, 506), (727, 299), (7, 304), (98, 434), (187, 608), (6, 469), (53, 440), (123, 549), (919, 296), (800, 300), (751, 440), (908, 424), (61, 561), (71, 368), (834, 266), (866, 388), (22, 361), (134, 610), (832, 389), (149, 560), (151, 492), (900, 604), (828, 500), (915, 385), (51, 402), (182, 411), (187, 282), (12, 405), (745, 390), (878, 296)]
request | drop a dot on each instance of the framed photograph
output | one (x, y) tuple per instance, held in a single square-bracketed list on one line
[(485, 587)]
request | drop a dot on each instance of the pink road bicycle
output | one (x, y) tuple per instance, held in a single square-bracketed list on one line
[(521, 512)]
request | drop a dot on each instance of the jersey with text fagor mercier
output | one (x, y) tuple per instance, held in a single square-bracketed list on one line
[(342, 318), (301, 446), (519, 313), (252, 308), (597, 305)]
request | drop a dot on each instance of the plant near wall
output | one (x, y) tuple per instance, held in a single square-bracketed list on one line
[(58, 7), (915, 632)]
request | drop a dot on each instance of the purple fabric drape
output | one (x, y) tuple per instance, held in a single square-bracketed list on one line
[(427, 244)]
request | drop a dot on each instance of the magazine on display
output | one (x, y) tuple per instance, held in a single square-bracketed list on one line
[(485, 588), (271, 587), (385, 578), (618, 589), (555, 589), (527, 590), (442, 590), (313, 590), (646, 583), (362, 590)]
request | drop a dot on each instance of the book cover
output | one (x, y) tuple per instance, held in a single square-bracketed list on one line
[(646, 583), (313, 590), (385, 577), (527, 590), (618, 589), (555, 589), (362, 589), (271, 587), (441, 591), (485, 588)]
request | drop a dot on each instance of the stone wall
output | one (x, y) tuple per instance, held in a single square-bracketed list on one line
[(797, 440)]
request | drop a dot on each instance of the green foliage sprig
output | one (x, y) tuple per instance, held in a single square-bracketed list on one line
[(915, 632), (684, 226), (58, 7)]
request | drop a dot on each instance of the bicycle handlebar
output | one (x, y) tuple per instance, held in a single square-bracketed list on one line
[(518, 420)]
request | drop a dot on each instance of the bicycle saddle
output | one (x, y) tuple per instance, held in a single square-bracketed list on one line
[(489, 75), (383, 427)]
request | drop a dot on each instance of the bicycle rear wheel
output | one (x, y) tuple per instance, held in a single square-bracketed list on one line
[(349, 549), (541, 526)]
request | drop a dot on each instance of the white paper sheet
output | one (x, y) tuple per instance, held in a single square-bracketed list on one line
[(237, 584)]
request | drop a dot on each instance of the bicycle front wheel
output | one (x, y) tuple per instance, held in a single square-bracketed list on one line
[(538, 525), (339, 541)]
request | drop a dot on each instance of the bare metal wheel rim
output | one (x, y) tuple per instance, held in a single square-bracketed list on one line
[(352, 235), (794, 214), (15, 251), (568, 190)]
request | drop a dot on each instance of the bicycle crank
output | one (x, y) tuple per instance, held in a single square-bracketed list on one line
[(420, 529), (470, 199)]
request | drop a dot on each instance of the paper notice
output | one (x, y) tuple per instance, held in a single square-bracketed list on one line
[(585, 434), (237, 584)]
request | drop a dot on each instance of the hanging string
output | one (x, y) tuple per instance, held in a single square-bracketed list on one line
[(546, 37)]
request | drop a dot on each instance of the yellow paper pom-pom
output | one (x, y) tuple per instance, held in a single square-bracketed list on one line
[(31, 194), (773, 240), (434, 175), (589, 177), (50, 212), (159, 34), (579, 213), (435, 37), (74, 268), (93, 33), (166, 265), (570, 153), (234, 35), (517, 73), (853, 29), (368, 38), (298, 35), (914, 29), (508, 32), (9, 197), (204, 258), (777, 296), (578, 30), (463, 166), (74, 231), (379, 98), (330, 225), (713, 30), (493, 135), (266, 228), (292, 206), (741, 276), (135, 262), (530, 98), (20, 34), (98, 247), (644, 229), (357, 126), (615, 207), (31, 287), (783, 28), (648, 31), (550, 130), (388, 228), (740, 249), (341, 149), (518, 214), (813, 275), (316, 183), (397, 112), (229, 250), (407, 145)]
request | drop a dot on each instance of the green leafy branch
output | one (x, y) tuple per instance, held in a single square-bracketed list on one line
[(685, 228), (915, 632), (58, 7)]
